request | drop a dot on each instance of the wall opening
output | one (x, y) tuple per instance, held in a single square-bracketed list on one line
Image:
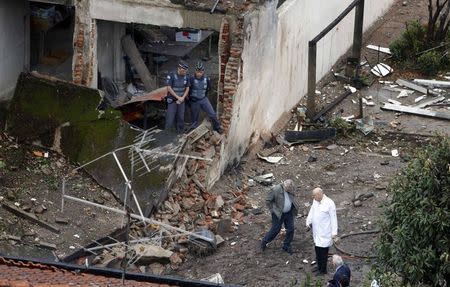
[(51, 39), (160, 48)]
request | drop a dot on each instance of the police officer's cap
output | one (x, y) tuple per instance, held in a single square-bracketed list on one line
[(200, 66), (183, 65)]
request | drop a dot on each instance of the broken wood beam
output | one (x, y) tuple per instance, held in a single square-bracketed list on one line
[(129, 47), (416, 111), (31, 217), (331, 105)]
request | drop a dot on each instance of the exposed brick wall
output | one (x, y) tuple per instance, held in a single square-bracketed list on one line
[(84, 44), (230, 49)]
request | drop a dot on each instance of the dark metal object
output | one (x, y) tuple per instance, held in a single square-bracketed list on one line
[(309, 136), (357, 44), (331, 105)]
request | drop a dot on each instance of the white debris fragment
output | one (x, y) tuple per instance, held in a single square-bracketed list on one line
[(76, 236), (418, 99), (381, 70), (17, 204), (71, 247), (403, 94), (348, 118), (233, 243), (313, 262), (386, 82), (318, 92), (376, 176), (352, 89), (271, 159), (46, 154), (394, 152), (33, 199), (380, 49), (287, 262), (305, 261)]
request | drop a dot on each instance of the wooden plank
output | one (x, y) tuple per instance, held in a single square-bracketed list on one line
[(412, 86), (429, 102), (30, 216), (416, 111), (433, 83), (136, 60)]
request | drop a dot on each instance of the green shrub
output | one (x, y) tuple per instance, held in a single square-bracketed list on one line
[(430, 63), (411, 42), (414, 242), (342, 127)]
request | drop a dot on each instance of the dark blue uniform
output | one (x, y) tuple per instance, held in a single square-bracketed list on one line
[(199, 100), (174, 110), (342, 275)]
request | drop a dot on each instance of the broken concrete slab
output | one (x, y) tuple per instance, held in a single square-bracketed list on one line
[(412, 86), (151, 253), (64, 116), (416, 111), (433, 83)]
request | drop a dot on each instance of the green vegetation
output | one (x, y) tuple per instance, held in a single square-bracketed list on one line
[(414, 246), (343, 127)]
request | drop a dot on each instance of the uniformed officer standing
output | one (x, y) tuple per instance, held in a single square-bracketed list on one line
[(200, 85), (178, 89)]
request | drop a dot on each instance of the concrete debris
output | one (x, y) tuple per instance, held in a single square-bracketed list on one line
[(351, 89), (270, 159), (430, 102), (381, 70), (412, 86), (265, 179), (403, 94), (416, 111), (151, 253), (380, 49), (394, 153), (156, 268), (418, 99), (216, 278), (394, 102), (433, 83)]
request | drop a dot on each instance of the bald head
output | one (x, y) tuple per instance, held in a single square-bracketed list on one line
[(317, 194), (288, 185), (337, 260)]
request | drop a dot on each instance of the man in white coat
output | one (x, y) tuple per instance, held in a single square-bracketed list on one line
[(323, 221)]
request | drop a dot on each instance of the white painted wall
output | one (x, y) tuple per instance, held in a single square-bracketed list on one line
[(275, 60), (13, 50)]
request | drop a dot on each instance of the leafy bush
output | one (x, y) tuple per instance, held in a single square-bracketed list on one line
[(411, 42), (415, 230), (430, 63)]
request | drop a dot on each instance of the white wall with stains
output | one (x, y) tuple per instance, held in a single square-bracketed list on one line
[(275, 60), (14, 44)]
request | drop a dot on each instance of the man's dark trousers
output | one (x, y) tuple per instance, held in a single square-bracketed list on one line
[(322, 258), (175, 113), (206, 106), (288, 220)]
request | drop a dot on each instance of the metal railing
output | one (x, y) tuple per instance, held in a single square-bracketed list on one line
[(358, 5)]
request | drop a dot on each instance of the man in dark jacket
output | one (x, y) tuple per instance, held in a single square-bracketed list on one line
[(342, 273), (200, 84), (177, 91), (283, 207)]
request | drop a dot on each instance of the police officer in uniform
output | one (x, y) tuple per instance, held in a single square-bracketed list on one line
[(200, 85), (177, 91)]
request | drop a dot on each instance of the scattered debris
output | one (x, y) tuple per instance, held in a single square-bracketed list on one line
[(394, 153), (394, 102), (270, 159), (418, 99), (416, 111), (433, 83), (30, 216), (403, 94), (380, 49), (365, 125), (265, 179), (430, 102), (412, 86), (381, 70), (216, 278)]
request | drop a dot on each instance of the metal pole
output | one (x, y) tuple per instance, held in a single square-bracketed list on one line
[(311, 100), (138, 217), (358, 30), (63, 191)]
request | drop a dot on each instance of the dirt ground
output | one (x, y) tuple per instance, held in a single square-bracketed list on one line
[(32, 182)]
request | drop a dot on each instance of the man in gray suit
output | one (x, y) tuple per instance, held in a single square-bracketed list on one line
[(280, 202)]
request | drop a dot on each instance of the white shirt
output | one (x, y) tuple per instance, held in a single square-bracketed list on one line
[(322, 216), (287, 203)]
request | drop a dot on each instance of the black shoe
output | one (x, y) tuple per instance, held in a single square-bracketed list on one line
[(263, 246), (288, 250)]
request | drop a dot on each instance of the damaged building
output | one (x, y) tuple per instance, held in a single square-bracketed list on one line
[(256, 51), (114, 56)]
